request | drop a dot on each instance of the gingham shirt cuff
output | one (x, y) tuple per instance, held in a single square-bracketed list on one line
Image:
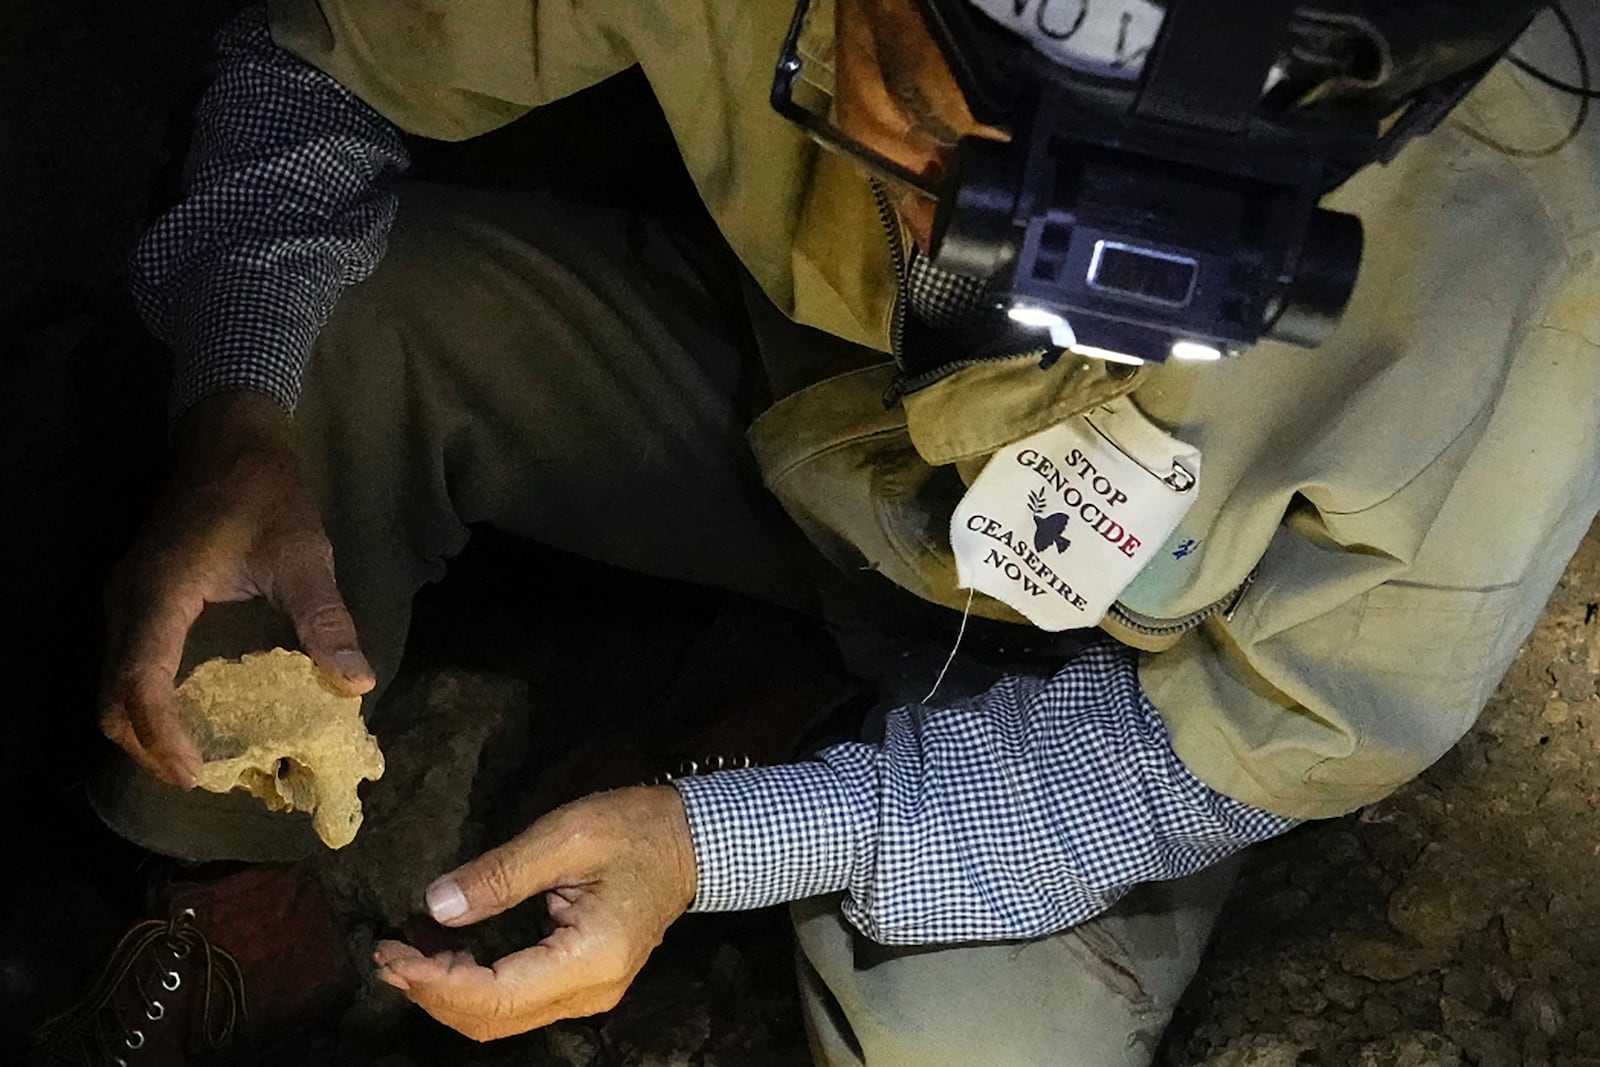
[(772, 834), (1016, 814), (233, 339)]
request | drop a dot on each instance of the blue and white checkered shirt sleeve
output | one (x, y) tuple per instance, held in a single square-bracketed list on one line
[(1020, 813), (282, 209)]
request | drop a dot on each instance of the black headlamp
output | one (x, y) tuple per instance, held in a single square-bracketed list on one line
[(1171, 209)]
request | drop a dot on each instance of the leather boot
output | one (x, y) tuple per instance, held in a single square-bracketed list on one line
[(241, 960)]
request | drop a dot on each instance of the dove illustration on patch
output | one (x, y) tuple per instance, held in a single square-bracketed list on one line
[(1057, 524)]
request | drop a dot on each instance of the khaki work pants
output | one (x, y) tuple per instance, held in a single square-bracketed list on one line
[(584, 377)]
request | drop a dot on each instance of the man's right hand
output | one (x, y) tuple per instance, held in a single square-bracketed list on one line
[(235, 521)]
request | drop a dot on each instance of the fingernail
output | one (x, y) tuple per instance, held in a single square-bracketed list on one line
[(386, 975), (351, 663), (445, 900)]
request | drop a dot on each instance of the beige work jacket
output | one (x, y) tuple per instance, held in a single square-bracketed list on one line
[(1405, 496)]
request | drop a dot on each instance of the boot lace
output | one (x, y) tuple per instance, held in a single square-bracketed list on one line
[(97, 1032)]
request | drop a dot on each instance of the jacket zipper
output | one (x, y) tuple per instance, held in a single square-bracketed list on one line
[(904, 383), (1153, 627), (902, 271)]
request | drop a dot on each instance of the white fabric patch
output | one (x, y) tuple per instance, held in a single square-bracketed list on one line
[(1107, 38), (1059, 523)]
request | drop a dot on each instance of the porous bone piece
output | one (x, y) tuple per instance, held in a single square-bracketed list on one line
[(270, 725)]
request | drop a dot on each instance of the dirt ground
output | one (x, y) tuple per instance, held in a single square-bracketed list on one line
[(1456, 922)]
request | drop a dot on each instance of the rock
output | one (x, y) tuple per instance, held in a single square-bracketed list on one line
[(1585, 945), (1469, 986), (745, 1043), (1444, 896), (1534, 943), (1491, 1048), (1412, 1049), (1344, 991), (690, 1032), (1257, 1050), (1560, 760), (1478, 1036), (1342, 848), (380, 1011), (418, 814), (1536, 1010), (1381, 960), (1284, 906), (1294, 976), (1561, 803), (1306, 1031), (1231, 1024), (1306, 1002), (1418, 1001), (1574, 681), (1380, 1016), (1458, 1016), (571, 1045), (1469, 756), (1502, 981), (1310, 875)]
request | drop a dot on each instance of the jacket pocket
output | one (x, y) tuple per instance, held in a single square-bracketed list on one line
[(846, 471)]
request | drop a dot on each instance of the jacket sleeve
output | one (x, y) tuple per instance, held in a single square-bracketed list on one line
[(1372, 639), (1417, 494)]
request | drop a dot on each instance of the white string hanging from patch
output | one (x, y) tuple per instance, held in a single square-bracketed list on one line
[(965, 614)]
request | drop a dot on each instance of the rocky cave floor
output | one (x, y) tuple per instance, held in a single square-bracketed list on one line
[(1453, 923)]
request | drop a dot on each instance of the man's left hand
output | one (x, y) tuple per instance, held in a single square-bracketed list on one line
[(616, 869)]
